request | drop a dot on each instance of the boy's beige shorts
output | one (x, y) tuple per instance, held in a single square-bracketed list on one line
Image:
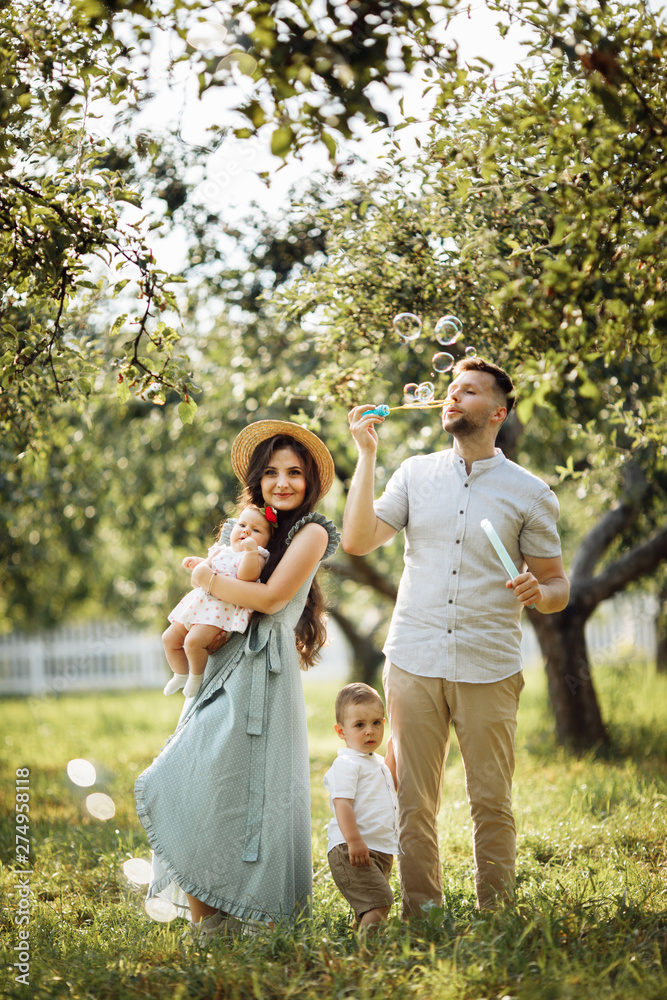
[(363, 888)]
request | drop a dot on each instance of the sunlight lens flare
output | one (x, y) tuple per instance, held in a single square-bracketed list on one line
[(206, 36), (138, 871), (160, 909), (100, 806), (81, 772)]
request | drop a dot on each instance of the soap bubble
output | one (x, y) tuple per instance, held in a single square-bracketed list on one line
[(448, 330), (443, 362), (425, 392), (160, 909), (471, 352), (138, 870), (81, 772), (407, 326), (100, 806), (409, 390)]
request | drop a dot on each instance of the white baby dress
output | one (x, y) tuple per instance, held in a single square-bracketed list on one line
[(200, 608)]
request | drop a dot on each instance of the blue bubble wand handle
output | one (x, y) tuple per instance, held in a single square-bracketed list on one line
[(502, 552), (379, 411)]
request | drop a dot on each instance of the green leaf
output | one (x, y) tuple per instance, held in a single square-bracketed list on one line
[(122, 392), (187, 410), (331, 145), (282, 141)]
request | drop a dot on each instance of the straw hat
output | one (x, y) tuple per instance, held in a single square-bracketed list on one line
[(254, 434)]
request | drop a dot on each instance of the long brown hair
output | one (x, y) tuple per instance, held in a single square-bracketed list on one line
[(310, 631)]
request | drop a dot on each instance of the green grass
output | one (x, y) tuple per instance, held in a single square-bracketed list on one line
[(591, 913)]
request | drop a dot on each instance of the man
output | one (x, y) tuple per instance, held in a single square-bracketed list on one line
[(453, 648)]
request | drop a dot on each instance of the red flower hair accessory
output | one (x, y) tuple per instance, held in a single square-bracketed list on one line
[(270, 513)]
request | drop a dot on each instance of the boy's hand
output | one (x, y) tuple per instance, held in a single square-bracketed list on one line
[(249, 544), (359, 854)]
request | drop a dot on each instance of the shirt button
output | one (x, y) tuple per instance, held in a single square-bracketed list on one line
[(449, 631), (458, 541), (460, 512), (450, 602), (454, 573), (466, 485)]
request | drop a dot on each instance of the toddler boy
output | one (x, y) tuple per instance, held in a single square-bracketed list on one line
[(363, 835)]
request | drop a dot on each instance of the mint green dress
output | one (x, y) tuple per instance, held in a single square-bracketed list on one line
[(226, 804)]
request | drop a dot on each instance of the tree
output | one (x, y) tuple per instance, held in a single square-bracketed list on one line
[(542, 214), (67, 247), (537, 210)]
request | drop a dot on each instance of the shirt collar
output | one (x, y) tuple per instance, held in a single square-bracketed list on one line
[(348, 752), (482, 464)]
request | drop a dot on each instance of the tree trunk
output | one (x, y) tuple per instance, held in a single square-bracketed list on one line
[(367, 659), (579, 724), (661, 630)]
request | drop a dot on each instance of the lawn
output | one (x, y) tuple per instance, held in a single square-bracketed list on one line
[(591, 913)]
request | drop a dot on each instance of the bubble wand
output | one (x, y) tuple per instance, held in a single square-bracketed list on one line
[(502, 552), (383, 410)]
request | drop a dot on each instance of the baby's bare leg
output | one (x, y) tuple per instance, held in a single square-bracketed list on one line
[(196, 642), (195, 645), (173, 639)]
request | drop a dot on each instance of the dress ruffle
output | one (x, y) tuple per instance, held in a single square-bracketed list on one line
[(316, 518)]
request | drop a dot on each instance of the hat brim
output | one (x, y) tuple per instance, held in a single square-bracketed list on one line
[(252, 435)]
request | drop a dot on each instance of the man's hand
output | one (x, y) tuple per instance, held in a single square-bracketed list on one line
[(359, 854), (543, 583), (526, 589), (362, 427)]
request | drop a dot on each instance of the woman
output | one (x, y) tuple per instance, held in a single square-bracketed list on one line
[(226, 805)]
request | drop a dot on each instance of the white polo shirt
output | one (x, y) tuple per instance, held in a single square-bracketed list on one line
[(366, 779), (454, 617)]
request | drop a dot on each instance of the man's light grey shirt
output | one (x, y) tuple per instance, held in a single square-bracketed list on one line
[(454, 617)]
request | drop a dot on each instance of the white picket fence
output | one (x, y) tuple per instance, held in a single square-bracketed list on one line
[(107, 657), (91, 657), (621, 627)]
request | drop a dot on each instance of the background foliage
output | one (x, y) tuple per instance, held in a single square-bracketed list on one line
[(535, 211)]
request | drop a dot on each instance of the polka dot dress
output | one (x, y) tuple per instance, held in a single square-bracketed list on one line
[(226, 804), (200, 608)]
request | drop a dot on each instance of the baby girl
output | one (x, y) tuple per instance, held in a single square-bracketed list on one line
[(199, 617)]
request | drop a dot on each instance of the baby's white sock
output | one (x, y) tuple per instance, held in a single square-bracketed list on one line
[(175, 684), (193, 684)]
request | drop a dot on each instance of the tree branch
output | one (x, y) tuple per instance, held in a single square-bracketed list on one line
[(367, 656), (361, 571), (616, 520), (640, 561)]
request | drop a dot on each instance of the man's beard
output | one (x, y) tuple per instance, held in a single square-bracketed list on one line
[(462, 425)]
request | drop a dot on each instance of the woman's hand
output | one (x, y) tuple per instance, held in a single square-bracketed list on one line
[(218, 641)]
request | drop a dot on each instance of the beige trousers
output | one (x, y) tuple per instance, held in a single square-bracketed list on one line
[(420, 710)]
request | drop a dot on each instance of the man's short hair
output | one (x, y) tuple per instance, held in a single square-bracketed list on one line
[(355, 694), (503, 381)]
